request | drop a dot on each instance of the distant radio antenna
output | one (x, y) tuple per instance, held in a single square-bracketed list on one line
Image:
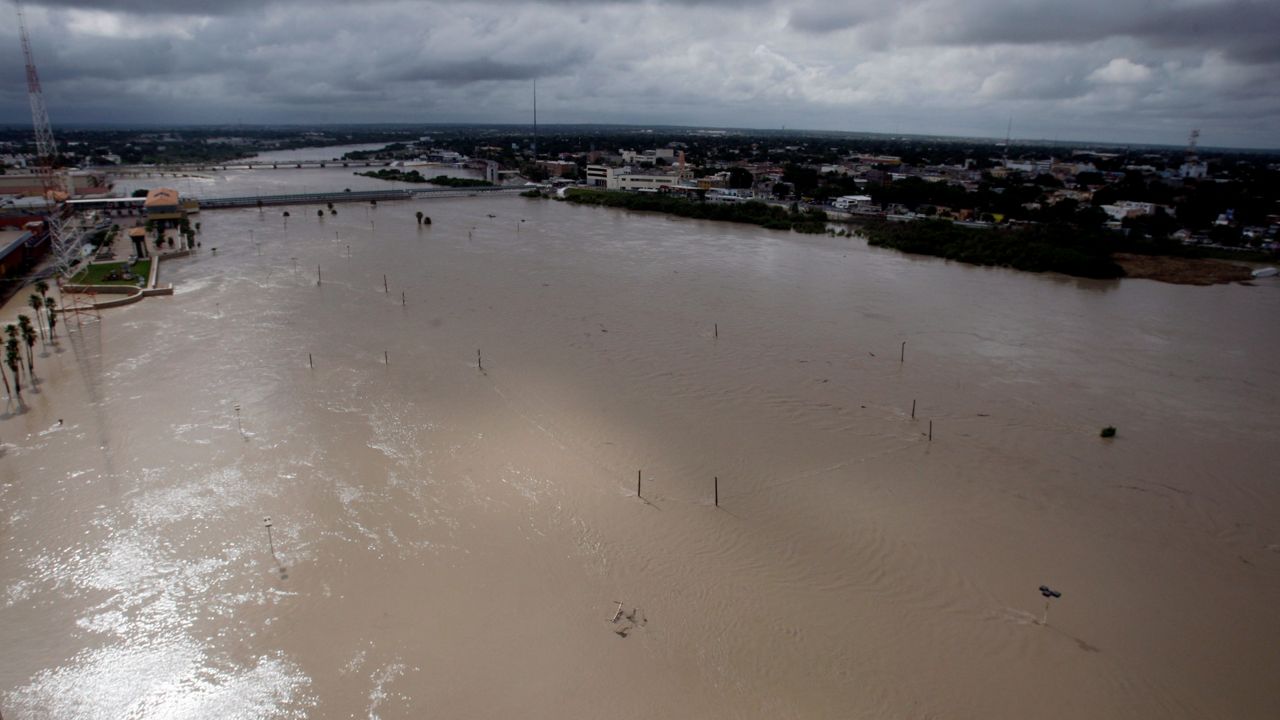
[(535, 120), (1008, 136), (1191, 145)]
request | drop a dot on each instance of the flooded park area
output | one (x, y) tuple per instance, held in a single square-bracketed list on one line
[(542, 460)]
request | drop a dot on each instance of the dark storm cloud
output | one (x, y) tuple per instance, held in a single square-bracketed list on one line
[(1243, 29), (232, 7), (822, 18), (482, 69), (1087, 68)]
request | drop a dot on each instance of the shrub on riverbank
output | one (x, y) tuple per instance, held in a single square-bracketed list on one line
[(1037, 248), (752, 212)]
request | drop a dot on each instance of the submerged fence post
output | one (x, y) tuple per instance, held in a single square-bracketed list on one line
[(270, 542), (319, 278), (930, 431), (638, 472), (402, 301), (311, 362), (479, 361), (386, 359), (385, 289), (717, 329), (913, 409), (902, 354), (717, 491)]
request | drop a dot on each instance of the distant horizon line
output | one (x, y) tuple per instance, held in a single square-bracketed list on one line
[(794, 132)]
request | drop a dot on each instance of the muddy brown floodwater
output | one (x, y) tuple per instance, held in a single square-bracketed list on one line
[(451, 542)]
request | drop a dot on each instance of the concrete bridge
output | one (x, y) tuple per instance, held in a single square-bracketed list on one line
[(133, 205), (177, 169), (180, 169), (358, 196)]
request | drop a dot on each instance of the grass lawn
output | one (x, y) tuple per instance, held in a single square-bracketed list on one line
[(97, 274)]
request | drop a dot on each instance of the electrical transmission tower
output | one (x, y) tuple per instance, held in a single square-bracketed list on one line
[(66, 248)]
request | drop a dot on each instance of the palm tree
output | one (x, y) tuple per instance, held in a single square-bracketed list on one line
[(52, 307), (42, 287), (320, 214), (11, 332), (13, 359), (36, 304), (29, 337), (419, 214), (8, 390)]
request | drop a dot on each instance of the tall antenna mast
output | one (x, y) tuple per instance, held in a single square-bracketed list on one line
[(535, 120), (1008, 135), (65, 250), (46, 148)]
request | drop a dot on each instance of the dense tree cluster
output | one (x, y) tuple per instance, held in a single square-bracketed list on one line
[(754, 213), (1038, 248)]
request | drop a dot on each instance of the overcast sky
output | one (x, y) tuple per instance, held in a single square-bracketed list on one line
[(1120, 70)]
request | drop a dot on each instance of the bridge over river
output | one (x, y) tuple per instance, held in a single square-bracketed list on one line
[(311, 198), (182, 169), (185, 168), (357, 196)]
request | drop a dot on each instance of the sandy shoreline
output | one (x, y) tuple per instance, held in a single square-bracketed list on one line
[(1183, 271)]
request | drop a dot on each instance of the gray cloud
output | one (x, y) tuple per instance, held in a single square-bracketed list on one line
[(1140, 70)]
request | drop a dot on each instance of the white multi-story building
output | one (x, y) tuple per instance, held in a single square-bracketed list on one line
[(1130, 208), (598, 175), (628, 178)]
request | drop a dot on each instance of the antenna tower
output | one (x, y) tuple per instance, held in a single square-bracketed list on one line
[(1191, 145), (535, 120), (65, 250), (1008, 135)]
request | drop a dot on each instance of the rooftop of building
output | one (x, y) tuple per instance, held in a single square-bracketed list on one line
[(161, 197)]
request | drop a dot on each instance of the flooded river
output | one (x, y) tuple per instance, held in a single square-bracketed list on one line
[(451, 541)]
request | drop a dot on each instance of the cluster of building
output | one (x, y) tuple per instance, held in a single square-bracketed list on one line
[(1076, 177)]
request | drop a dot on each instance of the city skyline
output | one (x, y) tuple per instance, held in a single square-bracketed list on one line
[(1121, 72)]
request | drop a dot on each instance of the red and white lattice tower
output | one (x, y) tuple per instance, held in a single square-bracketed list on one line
[(66, 250)]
